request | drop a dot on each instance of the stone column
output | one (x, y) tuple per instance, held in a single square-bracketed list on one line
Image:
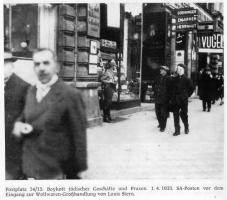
[(173, 51), (88, 31)]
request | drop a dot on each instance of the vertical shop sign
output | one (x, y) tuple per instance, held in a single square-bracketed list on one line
[(93, 20)]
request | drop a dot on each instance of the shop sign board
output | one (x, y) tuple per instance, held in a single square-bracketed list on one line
[(92, 69), (93, 20), (185, 19), (93, 47), (211, 43), (93, 59), (108, 44), (186, 11), (185, 27)]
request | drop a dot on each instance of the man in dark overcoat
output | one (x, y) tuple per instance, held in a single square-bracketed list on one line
[(205, 87), (53, 125), (181, 89), (161, 95), (15, 93)]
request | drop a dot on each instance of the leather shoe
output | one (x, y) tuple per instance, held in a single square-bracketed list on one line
[(162, 129), (176, 133), (106, 120), (186, 131)]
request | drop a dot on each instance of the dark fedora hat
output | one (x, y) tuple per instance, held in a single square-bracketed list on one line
[(8, 56)]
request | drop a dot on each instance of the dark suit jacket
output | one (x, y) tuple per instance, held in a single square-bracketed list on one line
[(58, 141), (15, 93), (181, 89), (162, 89)]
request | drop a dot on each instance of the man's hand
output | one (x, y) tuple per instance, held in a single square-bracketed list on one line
[(21, 129)]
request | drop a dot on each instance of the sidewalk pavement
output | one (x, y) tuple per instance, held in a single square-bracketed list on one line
[(133, 148)]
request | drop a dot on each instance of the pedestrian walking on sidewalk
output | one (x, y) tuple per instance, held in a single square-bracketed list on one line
[(109, 86), (53, 125), (181, 89), (205, 88), (161, 95)]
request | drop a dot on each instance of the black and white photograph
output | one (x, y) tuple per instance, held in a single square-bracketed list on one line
[(114, 91)]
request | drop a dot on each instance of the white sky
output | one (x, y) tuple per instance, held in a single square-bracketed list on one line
[(134, 8)]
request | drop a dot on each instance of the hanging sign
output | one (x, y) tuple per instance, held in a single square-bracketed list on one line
[(211, 43), (186, 19)]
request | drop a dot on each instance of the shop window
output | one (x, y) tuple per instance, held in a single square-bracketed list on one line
[(21, 28)]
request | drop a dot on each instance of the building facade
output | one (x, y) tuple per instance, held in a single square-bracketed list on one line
[(84, 39)]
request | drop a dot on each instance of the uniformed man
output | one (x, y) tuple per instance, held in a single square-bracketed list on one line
[(181, 89), (109, 86), (161, 94)]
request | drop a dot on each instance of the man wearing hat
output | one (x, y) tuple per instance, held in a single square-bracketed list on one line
[(161, 94), (181, 89), (206, 87), (15, 93), (109, 85)]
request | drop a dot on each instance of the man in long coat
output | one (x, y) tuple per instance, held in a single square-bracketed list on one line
[(53, 125), (205, 88), (161, 94), (15, 93), (181, 89)]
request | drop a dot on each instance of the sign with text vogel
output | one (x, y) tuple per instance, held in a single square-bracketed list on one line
[(186, 19), (212, 43)]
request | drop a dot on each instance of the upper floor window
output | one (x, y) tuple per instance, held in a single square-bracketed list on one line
[(21, 28)]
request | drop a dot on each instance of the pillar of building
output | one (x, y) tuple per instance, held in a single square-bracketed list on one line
[(79, 26), (173, 51), (189, 54)]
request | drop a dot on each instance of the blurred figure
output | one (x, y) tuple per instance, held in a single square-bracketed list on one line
[(181, 89), (161, 94), (53, 125), (221, 88), (205, 88), (15, 93), (109, 86), (215, 84)]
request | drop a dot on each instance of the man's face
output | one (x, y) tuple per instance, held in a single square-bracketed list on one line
[(8, 70), (180, 70), (163, 72), (45, 66)]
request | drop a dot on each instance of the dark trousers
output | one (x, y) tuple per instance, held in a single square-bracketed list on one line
[(107, 101), (206, 104), (180, 110), (161, 111)]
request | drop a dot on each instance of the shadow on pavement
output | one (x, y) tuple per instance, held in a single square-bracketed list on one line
[(119, 119)]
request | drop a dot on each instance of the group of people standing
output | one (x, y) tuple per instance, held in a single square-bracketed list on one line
[(171, 95), (45, 124), (210, 88)]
